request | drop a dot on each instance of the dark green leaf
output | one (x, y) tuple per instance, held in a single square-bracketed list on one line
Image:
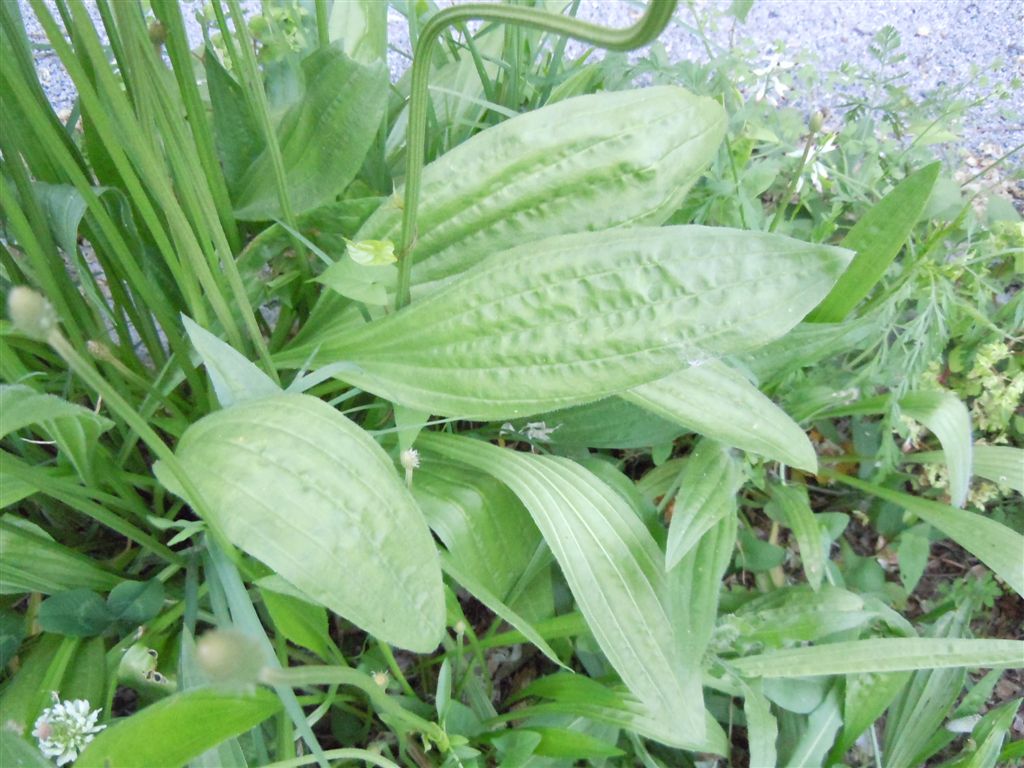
[(78, 613), (136, 602)]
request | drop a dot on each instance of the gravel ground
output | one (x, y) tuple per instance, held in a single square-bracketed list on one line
[(944, 42)]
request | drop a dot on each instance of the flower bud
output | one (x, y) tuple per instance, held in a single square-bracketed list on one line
[(31, 313), (817, 121), (230, 658)]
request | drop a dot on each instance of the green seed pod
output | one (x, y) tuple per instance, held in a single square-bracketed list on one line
[(31, 313), (230, 658)]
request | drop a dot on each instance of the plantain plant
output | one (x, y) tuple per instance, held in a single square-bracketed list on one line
[(315, 451)]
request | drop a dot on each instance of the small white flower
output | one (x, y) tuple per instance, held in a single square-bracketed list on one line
[(64, 729), (410, 460), (539, 431)]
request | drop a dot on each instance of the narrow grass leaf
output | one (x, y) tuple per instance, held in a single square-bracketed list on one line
[(762, 727), (707, 495), (882, 655), (996, 545), (718, 402), (298, 486), (601, 312), (177, 729), (877, 237), (34, 562), (614, 570)]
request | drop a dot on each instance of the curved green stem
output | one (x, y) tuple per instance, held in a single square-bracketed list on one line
[(650, 25)]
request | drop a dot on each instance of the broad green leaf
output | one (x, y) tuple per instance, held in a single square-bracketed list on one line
[(177, 729), (613, 567), (235, 379), (75, 429), (791, 504), (801, 695), (996, 545), (762, 728), (945, 415), (718, 402), (707, 495), (583, 696), (13, 490), (694, 584), (867, 697), (323, 139), (609, 423), (576, 318), (295, 484), (301, 622), (795, 614), (877, 237), (34, 562), (822, 725), (756, 555), (882, 655), (236, 134), (42, 662)]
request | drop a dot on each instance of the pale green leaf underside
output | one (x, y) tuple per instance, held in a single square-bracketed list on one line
[(882, 655), (298, 486), (613, 567), (234, 377), (573, 319), (718, 402), (946, 416), (1002, 464)]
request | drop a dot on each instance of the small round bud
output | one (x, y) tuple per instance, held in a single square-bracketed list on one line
[(231, 658), (817, 121), (31, 313), (381, 679), (157, 33)]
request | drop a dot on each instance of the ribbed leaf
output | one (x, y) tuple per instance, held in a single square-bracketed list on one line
[(34, 562), (1001, 464), (795, 512), (613, 567), (295, 484), (882, 655), (576, 318), (945, 415), (718, 402), (996, 545), (707, 494), (323, 139)]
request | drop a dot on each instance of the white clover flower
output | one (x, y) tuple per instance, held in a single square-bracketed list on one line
[(64, 729)]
